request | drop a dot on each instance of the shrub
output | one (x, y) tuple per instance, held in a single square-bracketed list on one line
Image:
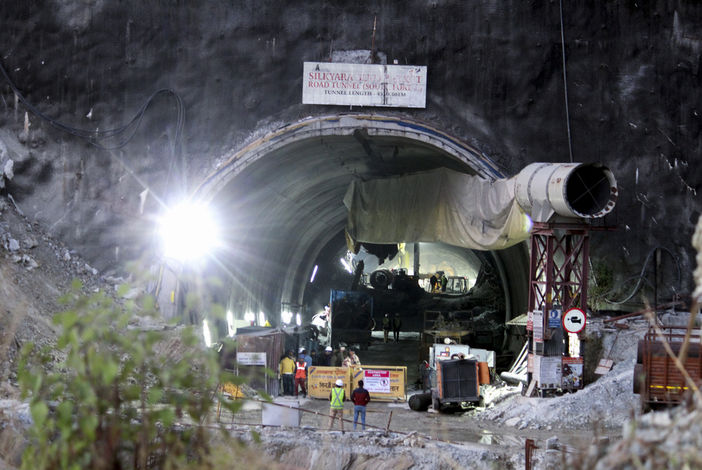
[(111, 402)]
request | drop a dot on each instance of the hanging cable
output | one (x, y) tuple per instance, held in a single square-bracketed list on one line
[(641, 278), (97, 137), (565, 84)]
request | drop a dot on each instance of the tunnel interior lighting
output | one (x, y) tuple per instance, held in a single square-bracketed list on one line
[(286, 317), (314, 273), (346, 265), (231, 327), (298, 319), (206, 333), (250, 317), (261, 318), (188, 231)]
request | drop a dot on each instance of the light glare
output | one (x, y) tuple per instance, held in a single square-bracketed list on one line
[(206, 333), (231, 327), (346, 265), (188, 231)]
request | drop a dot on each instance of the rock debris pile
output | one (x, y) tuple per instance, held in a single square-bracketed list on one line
[(369, 450), (604, 403), (662, 439)]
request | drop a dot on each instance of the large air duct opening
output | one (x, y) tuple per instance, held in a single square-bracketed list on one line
[(578, 190)]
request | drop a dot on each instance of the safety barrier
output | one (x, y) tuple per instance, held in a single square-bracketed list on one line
[(321, 379)]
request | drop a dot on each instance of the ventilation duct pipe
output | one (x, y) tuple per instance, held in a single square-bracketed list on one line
[(576, 190)]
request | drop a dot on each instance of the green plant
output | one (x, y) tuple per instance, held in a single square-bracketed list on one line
[(114, 401)]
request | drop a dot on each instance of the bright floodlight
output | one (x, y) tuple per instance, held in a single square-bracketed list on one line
[(188, 231)]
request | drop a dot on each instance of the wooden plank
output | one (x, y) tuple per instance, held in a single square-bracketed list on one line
[(604, 366), (530, 388)]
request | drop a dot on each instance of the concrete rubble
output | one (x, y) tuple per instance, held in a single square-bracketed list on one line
[(305, 448)]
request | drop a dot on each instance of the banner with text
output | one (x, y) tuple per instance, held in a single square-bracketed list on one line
[(399, 86), (377, 380)]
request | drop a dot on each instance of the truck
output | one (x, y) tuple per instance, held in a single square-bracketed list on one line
[(656, 377), (455, 374)]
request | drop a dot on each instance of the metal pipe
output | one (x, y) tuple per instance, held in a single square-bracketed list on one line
[(575, 190)]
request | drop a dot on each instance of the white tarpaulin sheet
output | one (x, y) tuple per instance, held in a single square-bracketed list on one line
[(436, 206)]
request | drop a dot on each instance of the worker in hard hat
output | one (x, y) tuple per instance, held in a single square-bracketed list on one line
[(336, 404), (301, 375), (326, 359), (339, 356)]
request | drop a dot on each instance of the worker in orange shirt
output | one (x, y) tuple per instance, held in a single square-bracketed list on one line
[(301, 375)]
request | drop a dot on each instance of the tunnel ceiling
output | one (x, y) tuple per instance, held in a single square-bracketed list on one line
[(281, 208), (495, 76)]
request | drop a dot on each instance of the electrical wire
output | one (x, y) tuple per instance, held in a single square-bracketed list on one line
[(565, 84), (642, 277), (97, 137)]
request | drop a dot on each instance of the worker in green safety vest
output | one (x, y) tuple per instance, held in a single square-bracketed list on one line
[(336, 399)]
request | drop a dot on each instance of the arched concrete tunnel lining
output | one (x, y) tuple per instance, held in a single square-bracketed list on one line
[(281, 197)]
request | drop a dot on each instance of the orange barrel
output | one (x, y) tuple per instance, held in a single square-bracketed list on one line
[(483, 373)]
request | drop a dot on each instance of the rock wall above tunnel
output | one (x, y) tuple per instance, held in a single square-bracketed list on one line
[(495, 80)]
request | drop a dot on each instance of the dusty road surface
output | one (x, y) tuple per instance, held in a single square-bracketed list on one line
[(464, 428)]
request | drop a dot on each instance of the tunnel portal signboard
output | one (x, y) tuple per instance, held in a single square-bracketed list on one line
[(398, 86)]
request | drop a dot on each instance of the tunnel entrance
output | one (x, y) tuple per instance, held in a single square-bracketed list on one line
[(280, 201)]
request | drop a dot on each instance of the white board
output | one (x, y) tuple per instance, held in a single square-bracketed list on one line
[(399, 86), (251, 358), (376, 380)]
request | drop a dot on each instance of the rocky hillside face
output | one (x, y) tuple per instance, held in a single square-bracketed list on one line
[(233, 71)]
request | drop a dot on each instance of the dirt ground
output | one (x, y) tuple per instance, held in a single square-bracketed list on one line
[(459, 427)]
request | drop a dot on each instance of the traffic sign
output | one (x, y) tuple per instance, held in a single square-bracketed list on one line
[(574, 320), (554, 317)]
